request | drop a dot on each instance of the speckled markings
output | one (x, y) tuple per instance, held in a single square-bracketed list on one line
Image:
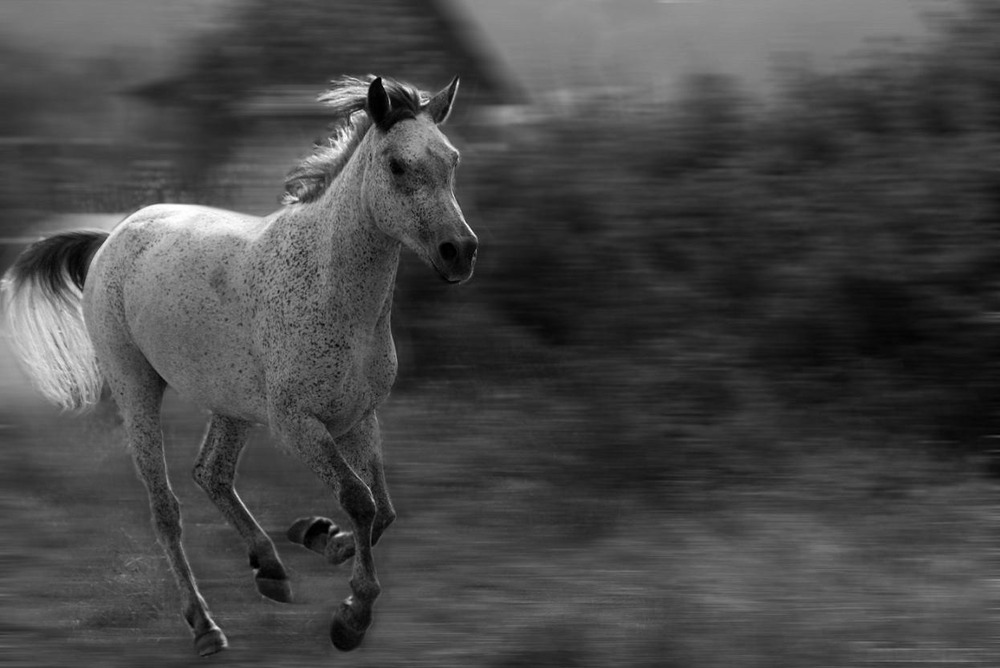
[(281, 320)]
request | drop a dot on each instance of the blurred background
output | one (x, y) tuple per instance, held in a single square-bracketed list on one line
[(723, 392)]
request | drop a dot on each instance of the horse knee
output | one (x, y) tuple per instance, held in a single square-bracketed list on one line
[(386, 516), (357, 500), (383, 519)]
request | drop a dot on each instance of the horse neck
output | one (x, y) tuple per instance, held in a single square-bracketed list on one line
[(356, 262)]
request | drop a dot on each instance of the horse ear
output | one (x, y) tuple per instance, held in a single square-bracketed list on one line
[(440, 105), (378, 102)]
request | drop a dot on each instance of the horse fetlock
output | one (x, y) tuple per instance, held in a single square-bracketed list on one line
[(208, 637), (363, 590), (279, 590), (210, 642), (196, 614), (267, 565), (272, 581), (270, 578)]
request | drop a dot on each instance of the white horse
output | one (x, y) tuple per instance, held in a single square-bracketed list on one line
[(282, 320)]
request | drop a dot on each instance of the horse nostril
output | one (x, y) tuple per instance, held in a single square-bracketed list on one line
[(448, 251)]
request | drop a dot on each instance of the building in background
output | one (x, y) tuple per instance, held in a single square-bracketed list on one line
[(220, 112), (178, 93), (246, 95)]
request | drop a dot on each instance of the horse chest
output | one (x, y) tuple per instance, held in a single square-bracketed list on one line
[(340, 375)]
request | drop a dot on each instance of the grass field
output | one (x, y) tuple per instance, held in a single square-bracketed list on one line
[(496, 560)]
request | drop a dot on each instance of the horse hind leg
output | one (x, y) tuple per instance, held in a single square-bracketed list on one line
[(215, 472), (139, 398)]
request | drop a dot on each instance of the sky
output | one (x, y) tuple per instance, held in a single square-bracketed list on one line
[(544, 43), (72, 29), (659, 41)]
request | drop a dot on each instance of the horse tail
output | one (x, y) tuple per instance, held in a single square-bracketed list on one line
[(43, 298)]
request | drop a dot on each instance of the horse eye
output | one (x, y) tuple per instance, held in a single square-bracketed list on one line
[(396, 167)]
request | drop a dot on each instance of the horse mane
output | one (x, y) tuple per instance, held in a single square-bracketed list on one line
[(347, 97)]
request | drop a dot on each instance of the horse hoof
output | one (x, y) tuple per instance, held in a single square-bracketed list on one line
[(276, 590), (311, 532), (343, 636), (339, 548), (210, 642)]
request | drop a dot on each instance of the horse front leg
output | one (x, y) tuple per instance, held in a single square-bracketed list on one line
[(362, 447), (329, 459)]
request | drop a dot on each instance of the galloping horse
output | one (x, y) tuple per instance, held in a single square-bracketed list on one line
[(282, 320)]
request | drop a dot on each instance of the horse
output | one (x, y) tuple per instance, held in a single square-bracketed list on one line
[(281, 320)]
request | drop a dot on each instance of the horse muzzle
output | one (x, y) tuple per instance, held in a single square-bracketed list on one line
[(456, 258)]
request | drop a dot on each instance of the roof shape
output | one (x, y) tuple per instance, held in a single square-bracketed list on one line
[(285, 48)]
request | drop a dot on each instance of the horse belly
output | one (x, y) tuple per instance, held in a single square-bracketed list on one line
[(203, 350)]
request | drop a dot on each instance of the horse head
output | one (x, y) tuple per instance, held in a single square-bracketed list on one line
[(410, 180)]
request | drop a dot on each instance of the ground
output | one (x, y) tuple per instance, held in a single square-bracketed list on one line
[(496, 561)]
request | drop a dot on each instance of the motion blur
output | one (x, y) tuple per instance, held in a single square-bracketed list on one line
[(723, 392)]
